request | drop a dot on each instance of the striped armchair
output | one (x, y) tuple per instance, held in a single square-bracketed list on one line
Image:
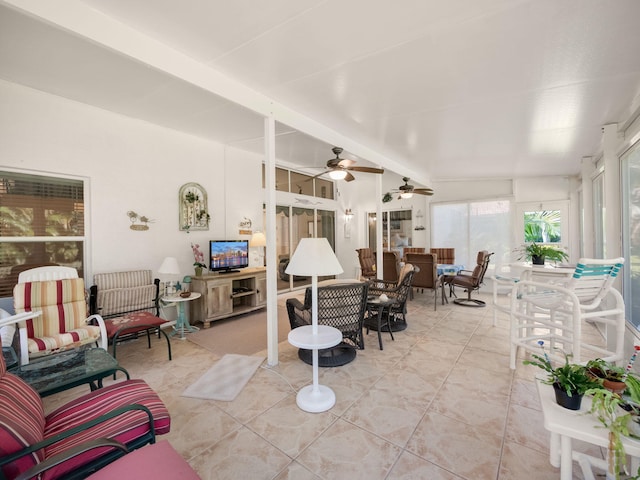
[(129, 412), (63, 322)]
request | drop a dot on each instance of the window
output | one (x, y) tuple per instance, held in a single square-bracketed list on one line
[(41, 223), (301, 184), (545, 222), (630, 170), (542, 226), (470, 227)]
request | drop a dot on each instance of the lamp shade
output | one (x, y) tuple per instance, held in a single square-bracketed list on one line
[(169, 266), (258, 240), (314, 257)]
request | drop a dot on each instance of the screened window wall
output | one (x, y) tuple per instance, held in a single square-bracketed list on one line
[(470, 227), (630, 169), (293, 224), (41, 223)]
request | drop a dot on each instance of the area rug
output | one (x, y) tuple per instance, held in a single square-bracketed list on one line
[(226, 379), (243, 334)]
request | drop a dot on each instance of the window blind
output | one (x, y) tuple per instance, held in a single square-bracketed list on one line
[(41, 223)]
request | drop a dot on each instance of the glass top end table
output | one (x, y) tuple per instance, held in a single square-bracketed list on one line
[(62, 371)]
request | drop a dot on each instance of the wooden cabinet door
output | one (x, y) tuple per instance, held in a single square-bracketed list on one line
[(219, 298)]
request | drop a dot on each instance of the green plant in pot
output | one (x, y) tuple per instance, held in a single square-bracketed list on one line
[(570, 380), (610, 376), (198, 256), (538, 253)]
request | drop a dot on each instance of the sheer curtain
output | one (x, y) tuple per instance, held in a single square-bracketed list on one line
[(473, 226)]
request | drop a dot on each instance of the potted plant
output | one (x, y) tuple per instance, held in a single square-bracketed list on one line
[(198, 256), (610, 376), (538, 253), (570, 381)]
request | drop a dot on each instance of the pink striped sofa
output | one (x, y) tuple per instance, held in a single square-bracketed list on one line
[(129, 412)]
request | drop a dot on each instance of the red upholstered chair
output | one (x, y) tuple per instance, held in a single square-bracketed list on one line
[(129, 412)]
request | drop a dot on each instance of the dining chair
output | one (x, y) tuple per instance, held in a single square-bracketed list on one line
[(446, 256), (553, 313), (426, 275), (390, 266), (367, 262)]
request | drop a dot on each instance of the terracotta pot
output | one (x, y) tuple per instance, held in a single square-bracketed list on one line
[(572, 402), (614, 386)]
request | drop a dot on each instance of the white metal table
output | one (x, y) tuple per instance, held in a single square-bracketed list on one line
[(182, 325), (566, 425)]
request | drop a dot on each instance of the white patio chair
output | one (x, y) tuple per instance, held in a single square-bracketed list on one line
[(553, 313)]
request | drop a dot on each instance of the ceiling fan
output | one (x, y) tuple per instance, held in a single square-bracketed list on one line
[(341, 168), (407, 190)]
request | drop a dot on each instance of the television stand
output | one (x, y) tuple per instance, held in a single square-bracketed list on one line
[(228, 294)]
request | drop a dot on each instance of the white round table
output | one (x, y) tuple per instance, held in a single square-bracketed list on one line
[(182, 325), (315, 398)]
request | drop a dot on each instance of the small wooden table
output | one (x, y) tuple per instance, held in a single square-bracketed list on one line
[(62, 371)]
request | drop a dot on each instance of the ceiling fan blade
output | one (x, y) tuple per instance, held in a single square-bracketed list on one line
[(349, 177), (317, 175), (366, 169), (423, 191)]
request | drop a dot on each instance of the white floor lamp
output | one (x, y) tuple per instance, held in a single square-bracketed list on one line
[(313, 258)]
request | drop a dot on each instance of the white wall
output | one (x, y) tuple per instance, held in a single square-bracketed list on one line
[(132, 165)]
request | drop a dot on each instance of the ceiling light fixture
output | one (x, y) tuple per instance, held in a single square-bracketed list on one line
[(338, 174), (406, 195)]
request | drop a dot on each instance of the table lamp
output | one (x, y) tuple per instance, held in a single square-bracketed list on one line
[(170, 267), (259, 240), (314, 257)]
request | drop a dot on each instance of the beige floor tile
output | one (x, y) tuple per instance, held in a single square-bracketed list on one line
[(345, 451), (290, 429), (241, 454), (467, 451), (411, 467), (519, 462)]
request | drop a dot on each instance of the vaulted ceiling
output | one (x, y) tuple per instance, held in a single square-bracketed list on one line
[(427, 88)]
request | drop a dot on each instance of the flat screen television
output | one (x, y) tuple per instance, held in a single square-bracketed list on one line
[(227, 256)]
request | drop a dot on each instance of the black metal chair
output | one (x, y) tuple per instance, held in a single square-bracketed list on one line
[(399, 292), (341, 306), (471, 280)]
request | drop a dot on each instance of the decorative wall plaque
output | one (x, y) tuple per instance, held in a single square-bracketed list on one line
[(194, 212)]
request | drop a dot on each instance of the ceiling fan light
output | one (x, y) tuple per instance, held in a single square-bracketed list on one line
[(338, 174), (406, 195)]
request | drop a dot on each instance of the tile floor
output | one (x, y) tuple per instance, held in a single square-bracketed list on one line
[(439, 402)]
